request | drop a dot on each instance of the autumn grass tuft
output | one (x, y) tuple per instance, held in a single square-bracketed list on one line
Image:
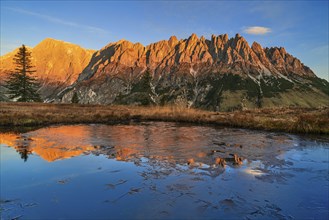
[(294, 120)]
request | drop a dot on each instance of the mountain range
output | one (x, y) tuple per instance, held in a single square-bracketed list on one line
[(220, 73)]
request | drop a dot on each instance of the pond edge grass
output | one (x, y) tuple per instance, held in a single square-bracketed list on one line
[(291, 120)]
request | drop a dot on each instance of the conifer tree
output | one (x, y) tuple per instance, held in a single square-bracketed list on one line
[(21, 84), (146, 81), (75, 98), (143, 88)]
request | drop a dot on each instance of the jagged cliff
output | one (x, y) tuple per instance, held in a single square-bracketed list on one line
[(57, 64), (219, 74)]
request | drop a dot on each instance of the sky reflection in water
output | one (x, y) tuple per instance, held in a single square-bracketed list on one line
[(162, 170)]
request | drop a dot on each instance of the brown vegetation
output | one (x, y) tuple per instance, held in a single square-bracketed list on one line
[(299, 120)]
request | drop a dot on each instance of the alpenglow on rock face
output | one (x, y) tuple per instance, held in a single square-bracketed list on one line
[(57, 64), (218, 74)]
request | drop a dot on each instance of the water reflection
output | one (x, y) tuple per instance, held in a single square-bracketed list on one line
[(118, 171), (201, 147), (51, 144)]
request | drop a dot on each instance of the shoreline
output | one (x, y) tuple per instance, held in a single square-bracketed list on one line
[(20, 116)]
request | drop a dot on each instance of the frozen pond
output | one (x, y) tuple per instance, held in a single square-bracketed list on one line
[(162, 170)]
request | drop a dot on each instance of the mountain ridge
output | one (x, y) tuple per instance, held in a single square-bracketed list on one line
[(219, 73), (187, 71)]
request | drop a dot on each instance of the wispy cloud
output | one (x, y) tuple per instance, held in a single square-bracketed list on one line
[(59, 21), (6, 47), (256, 30), (268, 9), (321, 50)]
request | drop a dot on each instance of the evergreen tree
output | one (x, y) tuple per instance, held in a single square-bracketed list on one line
[(144, 84), (75, 98), (21, 85), (259, 98), (143, 88)]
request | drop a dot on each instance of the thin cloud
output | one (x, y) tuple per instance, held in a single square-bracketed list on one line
[(256, 30), (321, 49), (268, 9), (7, 47), (59, 21)]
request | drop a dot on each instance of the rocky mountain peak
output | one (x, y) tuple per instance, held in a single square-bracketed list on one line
[(256, 47), (193, 37), (213, 37), (51, 40), (173, 41), (282, 50), (51, 43), (238, 40), (224, 37), (120, 41), (124, 44), (259, 52)]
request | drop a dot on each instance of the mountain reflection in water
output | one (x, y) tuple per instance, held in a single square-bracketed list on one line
[(245, 161), (195, 146)]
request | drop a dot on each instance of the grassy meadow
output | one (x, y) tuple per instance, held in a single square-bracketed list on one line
[(294, 120)]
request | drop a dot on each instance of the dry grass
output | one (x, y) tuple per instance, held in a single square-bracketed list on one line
[(299, 120)]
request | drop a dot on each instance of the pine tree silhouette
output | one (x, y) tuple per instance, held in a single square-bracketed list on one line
[(21, 85)]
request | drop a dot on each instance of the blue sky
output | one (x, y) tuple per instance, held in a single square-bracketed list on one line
[(299, 26)]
